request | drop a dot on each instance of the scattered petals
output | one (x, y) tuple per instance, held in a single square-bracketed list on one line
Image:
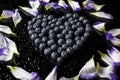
[(88, 4), (88, 71), (100, 26), (63, 4), (102, 15), (114, 54), (74, 5), (6, 29), (6, 14), (114, 32), (53, 74), (16, 17)]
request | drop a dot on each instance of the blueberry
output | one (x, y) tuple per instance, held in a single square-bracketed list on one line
[(37, 30), (44, 39), (52, 36), (64, 46), (74, 27), (77, 38), (30, 23), (76, 20), (69, 42), (44, 24), (85, 21), (45, 15), (50, 22), (71, 32), (48, 27), (68, 36), (60, 49), (62, 27), (47, 51), (50, 42), (34, 20), (63, 17), (86, 35), (64, 32), (38, 22), (81, 18), (33, 36), (78, 24), (54, 20), (41, 35), (54, 47), (29, 27), (54, 55), (35, 25), (44, 31), (50, 17), (58, 23), (75, 47), (61, 42), (68, 15), (70, 50), (82, 38), (51, 31), (68, 27), (77, 33), (31, 31), (39, 17), (42, 46), (64, 54), (72, 22), (37, 41), (75, 15), (80, 29), (66, 23), (70, 19), (59, 36), (52, 25), (56, 29), (59, 59), (88, 28), (80, 43)]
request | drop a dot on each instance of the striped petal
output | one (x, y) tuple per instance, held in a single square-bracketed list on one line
[(63, 4), (114, 54), (88, 71), (88, 4), (100, 26), (114, 32), (6, 29), (18, 72), (53, 74), (34, 3), (74, 5), (6, 14), (106, 72), (74, 78), (16, 17), (102, 15), (29, 11)]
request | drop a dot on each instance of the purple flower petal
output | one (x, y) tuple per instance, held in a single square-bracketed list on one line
[(100, 26), (33, 76), (3, 51), (114, 32), (109, 36), (52, 5), (16, 17), (102, 15), (6, 14), (44, 2)]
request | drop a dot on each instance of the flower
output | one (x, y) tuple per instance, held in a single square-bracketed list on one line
[(21, 74), (11, 14)]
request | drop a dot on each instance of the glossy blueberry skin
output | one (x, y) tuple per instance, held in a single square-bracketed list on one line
[(64, 54), (70, 50), (50, 42), (60, 49), (61, 42), (54, 55), (42, 46), (47, 51), (64, 46), (33, 36), (37, 30), (69, 42), (37, 41), (54, 47)]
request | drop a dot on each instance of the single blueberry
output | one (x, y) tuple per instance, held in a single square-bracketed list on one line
[(50, 42), (37, 30), (44, 39), (64, 54), (37, 41), (61, 42), (47, 51), (42, 46), (33, 36), (54, 55), (54, 47)]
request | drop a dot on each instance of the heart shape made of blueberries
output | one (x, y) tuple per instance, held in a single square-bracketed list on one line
[(58, 38)]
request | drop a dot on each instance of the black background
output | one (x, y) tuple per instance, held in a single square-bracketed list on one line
[(111, 6)]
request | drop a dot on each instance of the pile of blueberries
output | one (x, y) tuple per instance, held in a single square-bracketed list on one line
[(59, 37)]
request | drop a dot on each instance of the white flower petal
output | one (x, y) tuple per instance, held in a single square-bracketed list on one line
[(74, 78), (115, 41), (45, 1), (102, 15), (114, 32), (114, 54), (29, 11), (16, 17), (88, 71), (6, 14), (2, 41), (18, 72), (6, 29), (12, 46), (75, 5), (100, 26), (52, 75), (105, 72), (34, 4), (63, 4), (88, 4)]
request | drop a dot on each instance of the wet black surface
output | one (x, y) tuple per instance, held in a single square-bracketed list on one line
[(29, 58)]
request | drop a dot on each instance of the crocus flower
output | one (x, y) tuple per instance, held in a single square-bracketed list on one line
[(101, 14), (8, 49), (53, 74), (34, 7), (74, 5), (11, 14), (89, 4), (22, 74)]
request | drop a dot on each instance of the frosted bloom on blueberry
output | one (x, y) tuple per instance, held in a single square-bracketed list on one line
[(22, 74), (89, 4)]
